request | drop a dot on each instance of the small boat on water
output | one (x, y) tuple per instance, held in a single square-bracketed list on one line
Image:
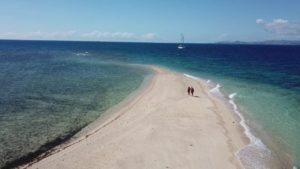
[(181, 45)]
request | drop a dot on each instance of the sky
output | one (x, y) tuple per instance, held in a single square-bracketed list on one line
[(200, 21)]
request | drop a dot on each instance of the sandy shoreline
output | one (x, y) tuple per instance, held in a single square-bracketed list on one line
[(161, 127)]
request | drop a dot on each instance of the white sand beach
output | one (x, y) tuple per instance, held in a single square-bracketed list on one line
[(161, 127)]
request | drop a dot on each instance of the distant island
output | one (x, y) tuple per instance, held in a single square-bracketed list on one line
[(267, 42)]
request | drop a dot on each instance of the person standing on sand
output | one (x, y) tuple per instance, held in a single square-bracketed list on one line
[(189, 90), (192, 91)]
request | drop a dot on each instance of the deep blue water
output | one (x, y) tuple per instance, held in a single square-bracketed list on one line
[(66, 85)]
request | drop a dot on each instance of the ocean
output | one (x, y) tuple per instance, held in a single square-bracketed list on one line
[(52, 89)]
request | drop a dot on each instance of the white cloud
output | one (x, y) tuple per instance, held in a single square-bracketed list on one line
[(98, 35), (259, 21), (38, 35), (108, 35), (149, 36), (280, 27), (74, 35)]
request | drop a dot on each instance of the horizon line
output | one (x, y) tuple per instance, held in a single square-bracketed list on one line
[(234, 42)]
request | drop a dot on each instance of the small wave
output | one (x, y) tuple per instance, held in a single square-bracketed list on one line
[(82, 53), (216, 91), (252, 138), (208, 81), (192, 77), (249, 154), (231, 96)]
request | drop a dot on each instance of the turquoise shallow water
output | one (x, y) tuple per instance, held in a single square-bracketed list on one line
[(50, 89)]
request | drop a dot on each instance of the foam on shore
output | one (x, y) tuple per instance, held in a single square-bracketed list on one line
[(255, 154)]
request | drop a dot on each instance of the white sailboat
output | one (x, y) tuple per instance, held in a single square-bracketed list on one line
[(181, 45)]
